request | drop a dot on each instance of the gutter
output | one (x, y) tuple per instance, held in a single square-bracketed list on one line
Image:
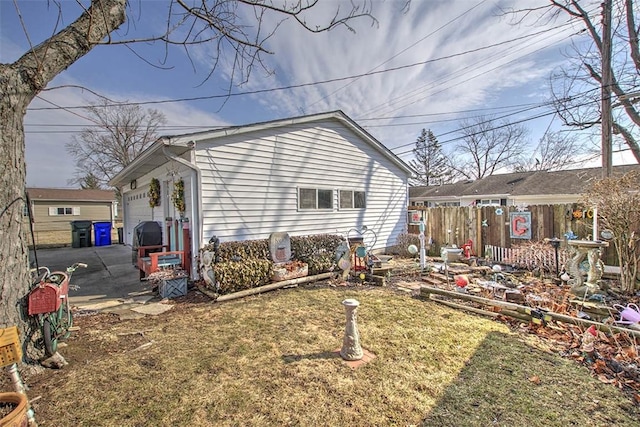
[(196, 204)]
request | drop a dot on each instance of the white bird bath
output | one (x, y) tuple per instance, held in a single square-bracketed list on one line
[(581, 249)]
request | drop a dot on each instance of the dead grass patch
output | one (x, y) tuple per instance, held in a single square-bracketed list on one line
[(268, 360)]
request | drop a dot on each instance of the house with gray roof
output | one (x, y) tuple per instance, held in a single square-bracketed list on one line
[(513, 189), (305, 175), (53, 210)]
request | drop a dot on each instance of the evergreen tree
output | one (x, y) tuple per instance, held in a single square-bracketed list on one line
[(90, 182), (430, 162)]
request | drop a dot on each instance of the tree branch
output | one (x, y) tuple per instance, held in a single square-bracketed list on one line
[(70, 44)]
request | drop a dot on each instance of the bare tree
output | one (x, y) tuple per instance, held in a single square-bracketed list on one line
[(617, 200), (487, 146), (121, 134), (555, 151), (430, 162), (576, 87), (237, 30)]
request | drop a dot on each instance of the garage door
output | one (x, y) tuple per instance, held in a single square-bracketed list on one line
[(137, 209)]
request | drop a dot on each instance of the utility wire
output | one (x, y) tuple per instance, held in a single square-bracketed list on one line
[(399, 53), (301, 85), (449, 78)]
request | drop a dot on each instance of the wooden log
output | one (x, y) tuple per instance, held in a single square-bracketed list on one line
[(382, 271), (378, 280), (432, 280), (273, 286), (207, 292), (426, 291), (494, 314)]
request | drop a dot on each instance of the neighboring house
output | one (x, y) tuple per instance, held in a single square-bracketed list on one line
[(513, 189), (305, 175), (53, 210)]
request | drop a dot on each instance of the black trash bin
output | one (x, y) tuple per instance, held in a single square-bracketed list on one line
[(80, 234)]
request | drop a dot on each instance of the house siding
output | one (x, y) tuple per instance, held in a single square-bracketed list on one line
[(250, 183), (89, 211)]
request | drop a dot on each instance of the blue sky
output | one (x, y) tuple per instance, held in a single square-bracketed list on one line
[(393, 106)]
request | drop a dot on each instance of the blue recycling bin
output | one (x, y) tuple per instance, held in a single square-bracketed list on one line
[(102, 233)]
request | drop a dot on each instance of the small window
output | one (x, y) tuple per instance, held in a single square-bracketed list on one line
[(490, 202), (352, 199), (313, 198), (55, 211)]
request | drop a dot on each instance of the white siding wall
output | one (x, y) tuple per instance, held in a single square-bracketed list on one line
[(250, 182), (136, 202)]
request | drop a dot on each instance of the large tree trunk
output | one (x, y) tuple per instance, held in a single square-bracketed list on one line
[(20, 82), (13, 250)]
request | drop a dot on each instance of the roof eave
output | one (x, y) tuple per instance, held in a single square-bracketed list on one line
[(153, 157)]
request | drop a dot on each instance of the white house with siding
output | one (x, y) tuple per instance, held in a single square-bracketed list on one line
[(305, 175)]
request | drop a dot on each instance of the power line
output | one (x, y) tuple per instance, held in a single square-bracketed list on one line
[(402, 153), (359, 120), (450, 77), (399, 53), (296, 86), (554, 112)]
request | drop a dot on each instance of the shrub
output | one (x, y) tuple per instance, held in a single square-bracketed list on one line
[(317, 250), (241, 250), (247, 264), (618, 205), (402, 245), (234, 276)]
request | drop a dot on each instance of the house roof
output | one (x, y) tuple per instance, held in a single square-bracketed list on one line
[(573, 181), (69, 194), (153, 157)]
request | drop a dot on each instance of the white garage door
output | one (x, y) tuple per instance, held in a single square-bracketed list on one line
[(136, 210)]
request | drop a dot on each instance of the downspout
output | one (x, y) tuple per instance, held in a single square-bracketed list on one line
[(196, 204)]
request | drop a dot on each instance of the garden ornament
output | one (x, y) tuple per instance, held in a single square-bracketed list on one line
[(351, 349), (628, 314)]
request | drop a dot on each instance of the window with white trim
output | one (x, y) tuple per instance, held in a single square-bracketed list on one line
[(55, 211), (442, 204), (489, 202), (315, 198), (350, 199)]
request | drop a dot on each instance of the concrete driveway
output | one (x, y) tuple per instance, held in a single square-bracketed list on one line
[(109, 283)]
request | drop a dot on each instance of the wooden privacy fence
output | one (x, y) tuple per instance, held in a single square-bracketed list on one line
[(492, 225)]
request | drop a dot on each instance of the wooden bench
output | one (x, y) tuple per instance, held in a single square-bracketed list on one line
[(156, 258)]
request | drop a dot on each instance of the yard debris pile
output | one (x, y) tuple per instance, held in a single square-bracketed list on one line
[(585, 329)]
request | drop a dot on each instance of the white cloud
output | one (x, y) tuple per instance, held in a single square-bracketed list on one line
[(512, 73), (47, 131), (466, 81)]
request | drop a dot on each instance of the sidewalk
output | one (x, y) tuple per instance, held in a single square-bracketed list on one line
[(110, 283)]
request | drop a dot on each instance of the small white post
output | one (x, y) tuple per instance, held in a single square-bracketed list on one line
[(423, 254), (351, 349), (595, 224)]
